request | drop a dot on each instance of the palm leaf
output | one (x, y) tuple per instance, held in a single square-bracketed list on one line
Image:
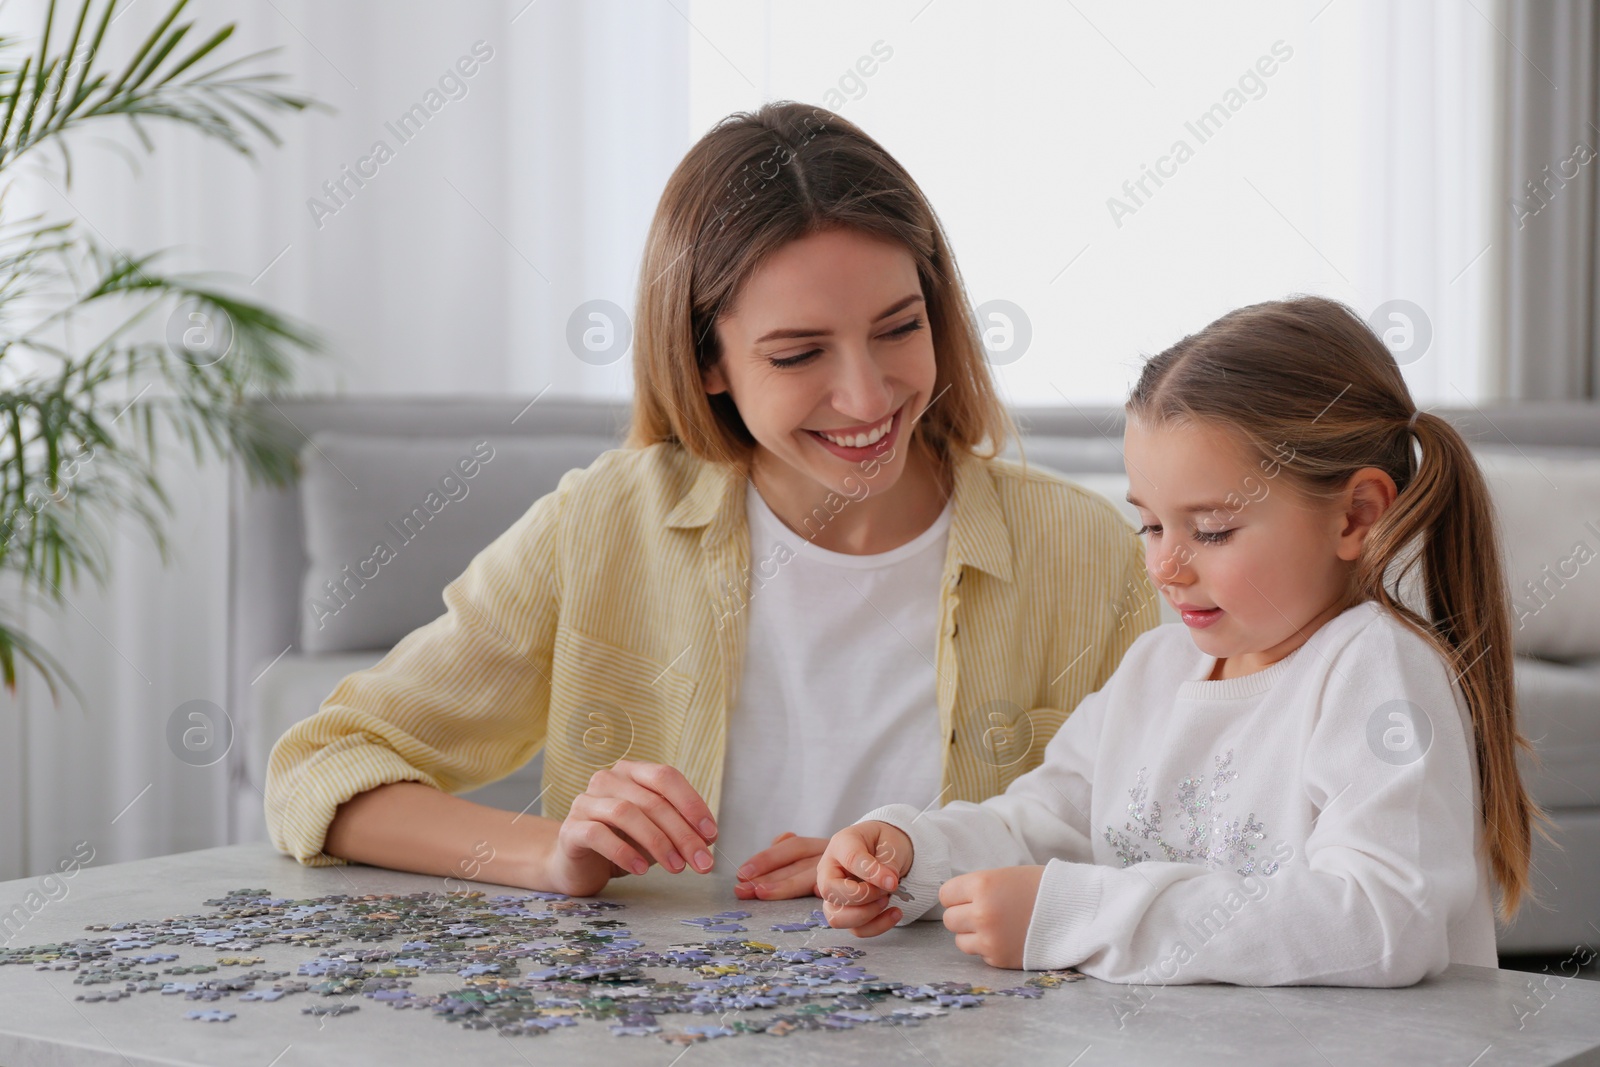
[(80, 432)]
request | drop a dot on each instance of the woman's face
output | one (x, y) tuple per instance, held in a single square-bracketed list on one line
[(828, 357)]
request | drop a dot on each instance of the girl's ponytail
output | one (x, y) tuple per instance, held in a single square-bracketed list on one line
[(1445, 521)]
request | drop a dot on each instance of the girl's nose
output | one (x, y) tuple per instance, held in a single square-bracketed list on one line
[(1172, 567)]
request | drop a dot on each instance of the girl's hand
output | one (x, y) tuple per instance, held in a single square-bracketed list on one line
[(860, 867), (787, 868), (989, 912), (631, 815)]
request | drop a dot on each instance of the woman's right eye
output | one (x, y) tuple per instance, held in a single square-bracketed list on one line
[(1147, 529)]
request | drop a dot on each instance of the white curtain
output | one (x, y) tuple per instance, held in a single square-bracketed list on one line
[(451, 270), (1552, 230)]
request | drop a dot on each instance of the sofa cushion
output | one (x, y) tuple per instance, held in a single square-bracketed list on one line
[(388, 522), (1559, 712), (1549, 511)]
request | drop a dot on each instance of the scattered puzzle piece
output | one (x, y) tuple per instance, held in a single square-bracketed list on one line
[(519, 964)]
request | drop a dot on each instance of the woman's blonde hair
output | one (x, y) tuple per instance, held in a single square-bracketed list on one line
[(755, 182), (1309, 374)]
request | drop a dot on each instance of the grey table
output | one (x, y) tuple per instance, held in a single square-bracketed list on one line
[(1467, 1017)]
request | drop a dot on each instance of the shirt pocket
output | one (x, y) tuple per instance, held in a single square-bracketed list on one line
[(609, 703)]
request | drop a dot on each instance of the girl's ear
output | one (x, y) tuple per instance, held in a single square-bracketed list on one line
[(1367, 495), (713, 380)]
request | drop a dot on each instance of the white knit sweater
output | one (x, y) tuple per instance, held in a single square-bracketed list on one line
[(1312, 823)]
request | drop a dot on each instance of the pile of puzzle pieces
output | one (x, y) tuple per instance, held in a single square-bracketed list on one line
[(521, 970)]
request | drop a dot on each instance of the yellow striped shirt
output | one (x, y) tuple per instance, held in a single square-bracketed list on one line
[(608, 622)]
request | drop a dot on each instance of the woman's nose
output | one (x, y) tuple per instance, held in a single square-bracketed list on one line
[(862, 391)]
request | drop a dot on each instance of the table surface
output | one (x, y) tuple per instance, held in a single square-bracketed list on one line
[(1469, 1016)]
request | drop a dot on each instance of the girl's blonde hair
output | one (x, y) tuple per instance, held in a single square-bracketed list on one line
[(1309, 374), (755, 182)]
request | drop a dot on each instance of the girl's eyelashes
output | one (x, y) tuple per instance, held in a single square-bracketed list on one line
[(794, 361), (1209, 537)]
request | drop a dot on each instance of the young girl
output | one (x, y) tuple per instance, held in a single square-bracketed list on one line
[(1314, 783)]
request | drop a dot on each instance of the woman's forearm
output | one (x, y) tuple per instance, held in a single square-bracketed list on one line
[(410, 826)]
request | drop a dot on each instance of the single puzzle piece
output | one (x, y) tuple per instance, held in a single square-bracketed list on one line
[(210, 1016), (1056, 978), (959, 1000)]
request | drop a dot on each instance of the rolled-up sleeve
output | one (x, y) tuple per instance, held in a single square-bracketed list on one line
[(458, 703)]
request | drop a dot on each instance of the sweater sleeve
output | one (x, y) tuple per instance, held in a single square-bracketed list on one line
[(1368, 898), (457, 703), (1043, 813)]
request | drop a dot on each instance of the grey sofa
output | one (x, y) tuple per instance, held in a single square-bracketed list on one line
[(312, 596)]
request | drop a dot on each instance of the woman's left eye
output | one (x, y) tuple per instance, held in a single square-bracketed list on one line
[(1213, 537), (909, 328)]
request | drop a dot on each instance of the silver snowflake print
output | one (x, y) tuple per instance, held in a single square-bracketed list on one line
[(1209, 837)]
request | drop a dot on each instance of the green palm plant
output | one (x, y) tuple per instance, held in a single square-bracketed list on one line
[(80, 423)]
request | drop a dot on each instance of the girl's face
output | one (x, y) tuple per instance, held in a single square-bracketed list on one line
[(1253, 567), (828, 356)]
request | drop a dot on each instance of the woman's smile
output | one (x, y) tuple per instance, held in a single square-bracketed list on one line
[(866, 442)]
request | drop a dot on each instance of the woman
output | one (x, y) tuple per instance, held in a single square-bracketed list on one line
[(805, 587)]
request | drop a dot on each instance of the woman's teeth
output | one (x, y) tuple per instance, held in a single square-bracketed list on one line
[(860, 440)]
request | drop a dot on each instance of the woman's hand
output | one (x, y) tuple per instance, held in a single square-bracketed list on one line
[(631, 815), (989, 912), (787, 868), (860, 867)]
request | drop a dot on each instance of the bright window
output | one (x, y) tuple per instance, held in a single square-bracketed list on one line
[(1125, 173)]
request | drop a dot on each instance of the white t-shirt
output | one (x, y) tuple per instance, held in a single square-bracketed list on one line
[(837, 710), (1311, 823)]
